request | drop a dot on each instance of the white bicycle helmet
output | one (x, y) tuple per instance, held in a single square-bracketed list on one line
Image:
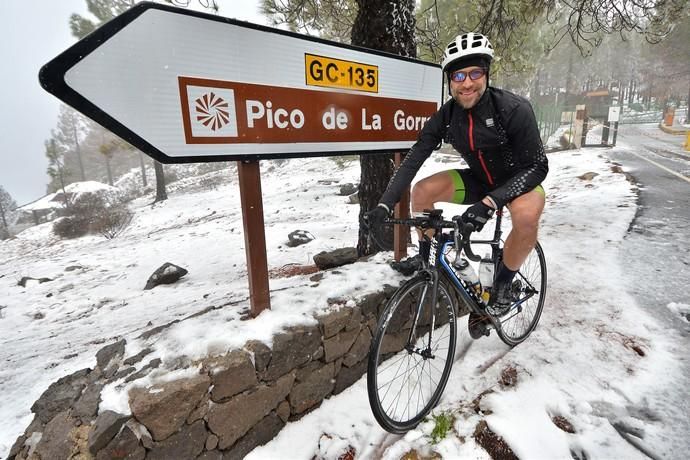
[(465, 45)]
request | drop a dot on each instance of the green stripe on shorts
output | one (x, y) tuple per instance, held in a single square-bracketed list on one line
[(458, 185), (541, 190)]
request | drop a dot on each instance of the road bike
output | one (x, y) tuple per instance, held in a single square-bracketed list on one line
[(413, 350)]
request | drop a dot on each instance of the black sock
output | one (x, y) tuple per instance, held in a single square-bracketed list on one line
[(424, 249), (505, 275)]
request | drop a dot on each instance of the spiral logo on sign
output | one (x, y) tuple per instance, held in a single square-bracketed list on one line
[(212, 111)]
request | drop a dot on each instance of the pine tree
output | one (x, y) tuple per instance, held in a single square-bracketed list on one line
[(69, 134), (7, 213)]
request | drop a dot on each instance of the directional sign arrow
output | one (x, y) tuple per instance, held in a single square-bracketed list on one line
[(184, 86)]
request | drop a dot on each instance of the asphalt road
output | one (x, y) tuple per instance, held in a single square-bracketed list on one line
[(656, 251)]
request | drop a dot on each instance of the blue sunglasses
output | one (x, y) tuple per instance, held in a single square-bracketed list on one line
[(461, 75)]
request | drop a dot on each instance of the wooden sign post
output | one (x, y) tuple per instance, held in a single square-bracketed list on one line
[(254, 235)]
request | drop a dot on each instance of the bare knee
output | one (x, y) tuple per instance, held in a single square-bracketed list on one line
[(430, 190), (526, 222)]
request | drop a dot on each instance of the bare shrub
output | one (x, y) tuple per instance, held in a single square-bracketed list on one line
[(70, 227), (112, 221), (94, 213)]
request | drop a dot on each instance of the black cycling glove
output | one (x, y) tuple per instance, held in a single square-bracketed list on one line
[(377, 216), (478, 214)]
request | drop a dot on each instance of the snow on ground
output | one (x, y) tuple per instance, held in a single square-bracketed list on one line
[(582, 363)]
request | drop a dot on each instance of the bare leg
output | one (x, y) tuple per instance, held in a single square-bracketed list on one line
[(525, 212), (430, 190)]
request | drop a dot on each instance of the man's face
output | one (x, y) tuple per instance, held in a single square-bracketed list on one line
[(467, 93)]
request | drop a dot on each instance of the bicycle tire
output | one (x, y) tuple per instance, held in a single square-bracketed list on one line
[(521, 320), (391, 354)]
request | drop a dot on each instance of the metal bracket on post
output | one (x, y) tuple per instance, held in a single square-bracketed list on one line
[(401, 233), (254, 235)]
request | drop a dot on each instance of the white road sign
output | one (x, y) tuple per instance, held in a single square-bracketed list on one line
[(186, 86), (614, 113)]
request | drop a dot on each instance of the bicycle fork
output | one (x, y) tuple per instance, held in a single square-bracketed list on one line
[(419, 313)]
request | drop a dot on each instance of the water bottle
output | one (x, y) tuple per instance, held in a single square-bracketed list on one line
[(465, 271), (486, 271)]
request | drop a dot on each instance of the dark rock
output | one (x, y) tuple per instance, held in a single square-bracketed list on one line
[(200, 411), (305, 371), (263, 432), (71, 268), (107, 425), (313, 389), (347, 189), (60, 395), (349, 375), (298, 238), (22, 282), (316, 278), (151, 332), (166, 274), (355, 321), (125, 445), (337, 346), (187, 443), (588, 176), (225, 420), (211, 455), (238, 375), (337, 258), (283, 411), (262, 354), (136, 358), (52, 443), (111, 352), (86, 406), (359, 349), (18, 445), (153, 364), (334, 322), (163, 408), (211, 441), (370, 303), (494, 445), (124, 372), (291, 349)]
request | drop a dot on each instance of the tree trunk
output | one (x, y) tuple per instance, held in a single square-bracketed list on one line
[(385, 25), (687, 107), (2, 213), (78, 149), (161, 195), (143, 169), (108, 170)]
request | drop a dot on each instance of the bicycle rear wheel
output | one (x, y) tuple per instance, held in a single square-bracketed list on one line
[(530, 286), (411, 355)]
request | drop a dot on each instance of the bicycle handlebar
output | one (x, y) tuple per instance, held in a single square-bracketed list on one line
[(432, 221)]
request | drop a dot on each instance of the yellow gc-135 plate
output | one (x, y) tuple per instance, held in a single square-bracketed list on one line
[(336, 73)]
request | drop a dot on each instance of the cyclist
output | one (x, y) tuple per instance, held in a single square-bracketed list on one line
[(496, 133)]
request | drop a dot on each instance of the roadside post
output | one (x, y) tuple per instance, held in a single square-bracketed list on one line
[(611, 117), (189, 87)]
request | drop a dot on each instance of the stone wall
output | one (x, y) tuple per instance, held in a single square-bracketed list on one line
[(236, 402)]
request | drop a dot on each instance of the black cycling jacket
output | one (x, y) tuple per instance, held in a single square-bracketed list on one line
[(498, 138)]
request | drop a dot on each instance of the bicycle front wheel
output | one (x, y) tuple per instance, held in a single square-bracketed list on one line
[(411, 355), (529, 286)]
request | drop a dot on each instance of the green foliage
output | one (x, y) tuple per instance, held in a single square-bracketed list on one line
[(102, 10), (329, 19), (443, 423)]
